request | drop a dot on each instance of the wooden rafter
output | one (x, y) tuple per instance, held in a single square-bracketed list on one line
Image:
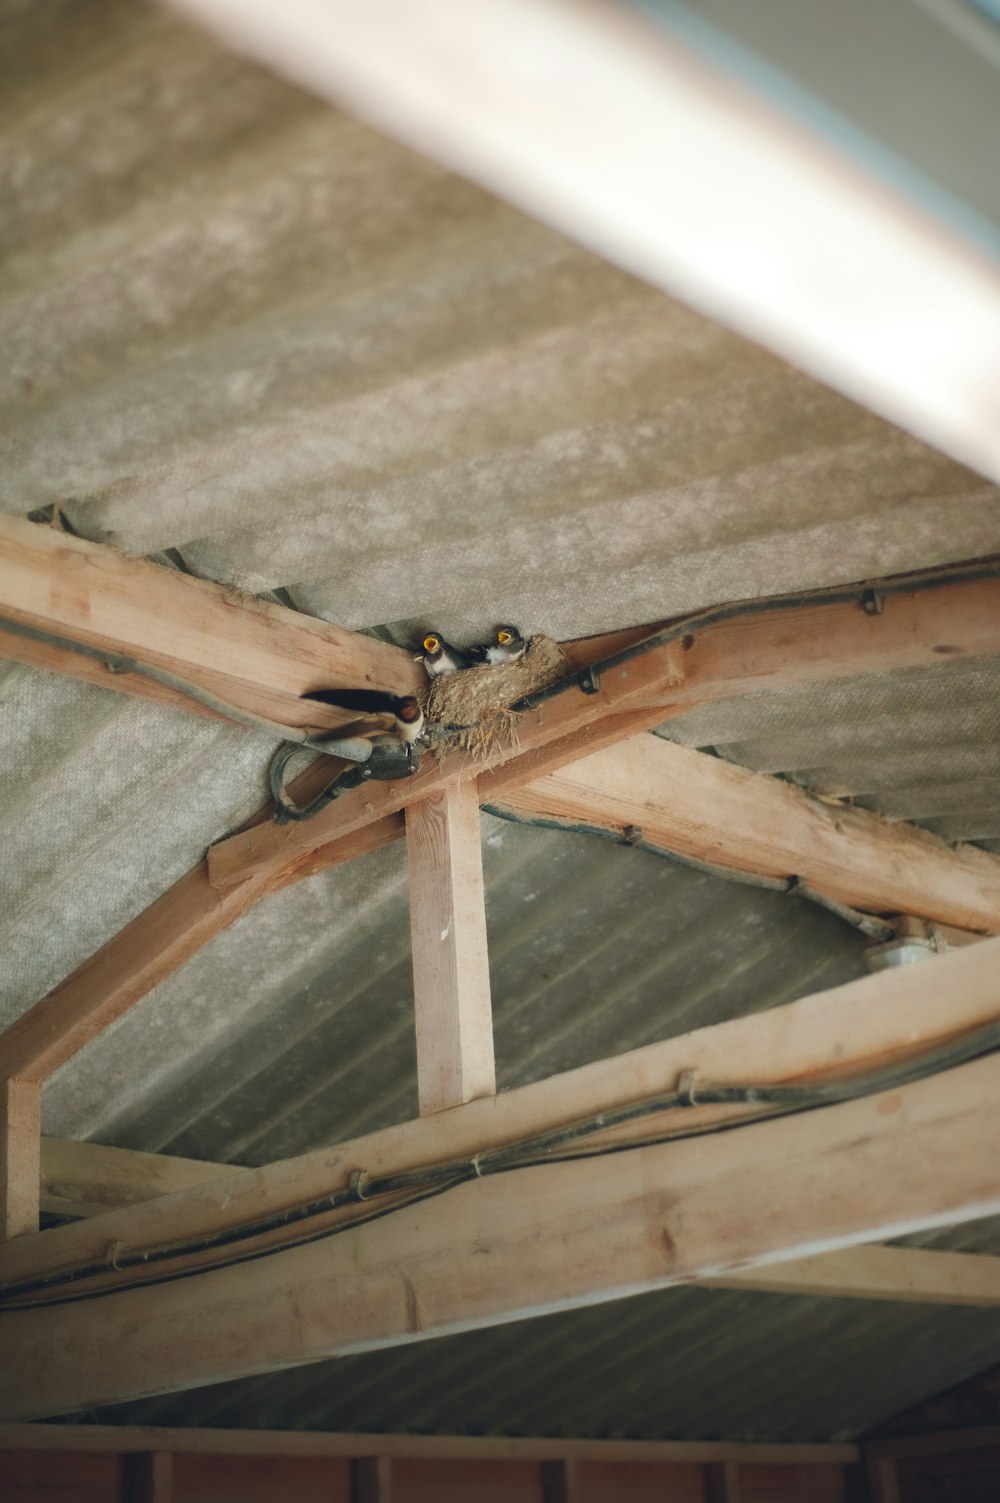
[(131, 964), (84, 583), (650, 149), (255, 655), (451, 970), (905, 1275), (872, 1020), (20, 1119), (717, 813), (158, 940), (763, 648), (87, 1179), (495, 1248)]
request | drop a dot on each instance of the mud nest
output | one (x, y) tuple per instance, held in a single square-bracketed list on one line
[(471, 710)]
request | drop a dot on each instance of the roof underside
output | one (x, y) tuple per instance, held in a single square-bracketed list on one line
[(257, 339)]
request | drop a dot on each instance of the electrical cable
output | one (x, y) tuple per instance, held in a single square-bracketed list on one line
[(871, 595), (285, 809), (119, 663), (874, 928), (534, 1151)]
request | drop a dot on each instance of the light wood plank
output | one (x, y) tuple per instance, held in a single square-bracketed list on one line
[(821, 639), (654, 154), (494, 1249), (131, 964), (910, 1275), (559, 731), (451, 973), (20, 1130), (254, 654), (127, 1439), (849, 1028), (758, 649), (555, 734), (165, 935), (712, 811), (87, 1179)]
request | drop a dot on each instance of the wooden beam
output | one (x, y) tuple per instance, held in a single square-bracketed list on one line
[(251, 653), (712, 811), (451, 972), (87, 1179), (865, 1022), (201, 1441), (557, 732), (20, 1129), (826, 637), (150, 948), (654, 151), (832, 637), (494, 1249), (764, 648), (909, 1275)]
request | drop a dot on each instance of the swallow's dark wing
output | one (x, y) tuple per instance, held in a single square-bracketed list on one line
[(367, 701)]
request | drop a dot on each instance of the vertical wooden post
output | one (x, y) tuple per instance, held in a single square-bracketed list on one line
[(882, 1477), (722, 1482), (451, 977), (150, 1477), (371, 1480), (560, 1482), (20, 1156)]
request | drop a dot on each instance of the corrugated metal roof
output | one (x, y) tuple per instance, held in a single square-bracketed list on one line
[(921, 745), (256, 335), (240, 325), (688, 1362), (320, 1046)]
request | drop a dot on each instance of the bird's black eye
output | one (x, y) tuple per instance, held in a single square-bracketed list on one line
[(431, 644)]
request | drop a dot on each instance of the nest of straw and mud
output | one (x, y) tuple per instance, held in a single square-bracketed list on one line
[(472, 710)]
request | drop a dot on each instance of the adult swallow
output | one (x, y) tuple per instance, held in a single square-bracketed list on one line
[(440, 657), (507, 646), (405, 711)]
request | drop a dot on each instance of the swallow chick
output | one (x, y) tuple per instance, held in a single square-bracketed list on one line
[(440, 657), (405, 711), (507, 646)]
